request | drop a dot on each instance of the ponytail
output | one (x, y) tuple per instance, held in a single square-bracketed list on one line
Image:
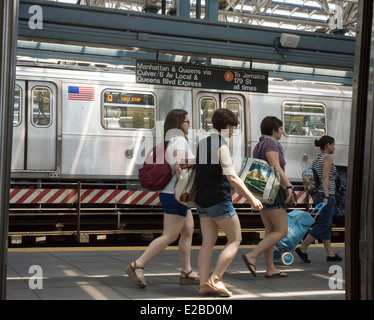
[(323, 141)]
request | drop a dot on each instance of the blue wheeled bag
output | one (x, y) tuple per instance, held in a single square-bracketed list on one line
[(299, 223)]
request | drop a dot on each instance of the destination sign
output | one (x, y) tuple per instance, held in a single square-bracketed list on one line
[(201, 77), (117, 97)]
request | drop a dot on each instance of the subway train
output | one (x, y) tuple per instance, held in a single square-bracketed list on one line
[(80, 136), (103, 132)]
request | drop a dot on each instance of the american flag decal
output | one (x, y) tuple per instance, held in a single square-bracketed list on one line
[(81, 93)]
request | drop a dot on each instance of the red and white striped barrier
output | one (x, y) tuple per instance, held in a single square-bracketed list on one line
[(88, 196), (301, 196), (104, 196), (36, 196)]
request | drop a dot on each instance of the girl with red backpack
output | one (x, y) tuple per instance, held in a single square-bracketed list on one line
[(178, 218)]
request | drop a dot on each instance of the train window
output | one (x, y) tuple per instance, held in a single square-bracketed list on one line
[(304, 119), (234, 105), (41, 106), (124, 110), (207, 107), (17, 106)]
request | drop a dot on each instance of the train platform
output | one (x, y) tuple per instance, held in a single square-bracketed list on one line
[(98, 274)]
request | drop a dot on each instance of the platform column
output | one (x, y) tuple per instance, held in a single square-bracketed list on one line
[(211, 10), (8, 42), (183, 8)]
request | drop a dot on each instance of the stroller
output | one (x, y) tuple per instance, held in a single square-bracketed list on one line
[(299, 223)]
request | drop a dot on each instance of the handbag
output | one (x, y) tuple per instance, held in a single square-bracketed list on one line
[(185, 190), (261, 179)]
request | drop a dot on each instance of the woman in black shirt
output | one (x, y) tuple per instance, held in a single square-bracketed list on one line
[(215, 175)]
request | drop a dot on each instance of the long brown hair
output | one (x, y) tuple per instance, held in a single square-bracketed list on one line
[(174, 120)]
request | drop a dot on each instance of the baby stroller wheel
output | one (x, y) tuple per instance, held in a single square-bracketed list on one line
[(287, 258)]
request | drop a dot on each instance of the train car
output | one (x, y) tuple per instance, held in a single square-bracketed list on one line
[(80, 136), (71, 125)]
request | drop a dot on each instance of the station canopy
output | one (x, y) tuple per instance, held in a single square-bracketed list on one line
[(326, 16), (317, 17)]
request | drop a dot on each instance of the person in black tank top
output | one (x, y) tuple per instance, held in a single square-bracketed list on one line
[(215, 175), (326, 170), (213, 186)]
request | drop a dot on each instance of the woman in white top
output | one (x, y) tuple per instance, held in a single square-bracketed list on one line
[(177, 217)]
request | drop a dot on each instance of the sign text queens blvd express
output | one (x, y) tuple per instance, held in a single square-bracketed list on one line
[(187, 76)]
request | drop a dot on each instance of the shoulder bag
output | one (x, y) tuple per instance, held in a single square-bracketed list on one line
[(261, 179), (185, 190)]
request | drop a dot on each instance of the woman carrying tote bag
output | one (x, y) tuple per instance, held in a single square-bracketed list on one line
[(273, 216)]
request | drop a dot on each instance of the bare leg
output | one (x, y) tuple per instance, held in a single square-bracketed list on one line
[(209, 230), (273, 226), (185, 242), (307, 242), (173, 225), (231, 227), (327, 245), (275, 222)]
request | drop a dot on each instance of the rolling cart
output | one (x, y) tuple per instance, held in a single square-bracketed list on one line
[(299, 223)]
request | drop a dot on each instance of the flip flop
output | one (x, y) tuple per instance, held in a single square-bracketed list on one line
[(280, 274), (251, 267)]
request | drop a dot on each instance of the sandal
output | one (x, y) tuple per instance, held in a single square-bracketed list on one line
[(138, 281), (186, 279), (279, 274), (251, 267), (207, 290), (221, 289)]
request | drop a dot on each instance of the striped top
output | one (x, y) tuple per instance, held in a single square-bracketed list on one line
[(317, 164)]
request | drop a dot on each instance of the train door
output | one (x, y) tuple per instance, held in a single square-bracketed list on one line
[(18, 147), (207, 103), (34, 131)]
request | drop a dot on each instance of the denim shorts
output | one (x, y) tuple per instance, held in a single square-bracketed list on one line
[(172, 206), (276, 205), (222, 210)]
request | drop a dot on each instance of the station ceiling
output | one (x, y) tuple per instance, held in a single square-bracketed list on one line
[(243, 34), (326, 16)]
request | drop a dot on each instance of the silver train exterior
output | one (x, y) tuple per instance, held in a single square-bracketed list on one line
[(72, 125)]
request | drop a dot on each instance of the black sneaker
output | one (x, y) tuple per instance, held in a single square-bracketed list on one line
[(303, 256), (334, 258)]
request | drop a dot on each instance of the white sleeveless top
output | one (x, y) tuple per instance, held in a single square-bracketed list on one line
[(175, 143)]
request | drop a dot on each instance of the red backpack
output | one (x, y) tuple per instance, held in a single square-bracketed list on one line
[(156, 172)]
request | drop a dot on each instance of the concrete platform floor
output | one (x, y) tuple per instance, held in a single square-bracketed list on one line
[(98, 274)]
